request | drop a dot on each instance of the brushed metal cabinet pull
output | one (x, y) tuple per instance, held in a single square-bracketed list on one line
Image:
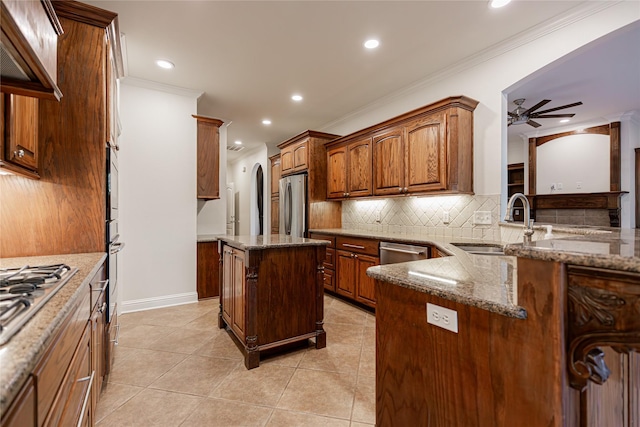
[(86, 397), (348, 245)]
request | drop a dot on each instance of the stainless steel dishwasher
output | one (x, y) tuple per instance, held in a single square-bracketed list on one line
[(392, 253)]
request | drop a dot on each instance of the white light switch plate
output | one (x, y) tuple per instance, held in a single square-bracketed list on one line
[(482, 217), (442, 317)]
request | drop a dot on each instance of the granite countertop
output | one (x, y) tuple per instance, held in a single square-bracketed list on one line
[(204, 238), (483, 281), (269, 241), (618, 249), (19, 356)]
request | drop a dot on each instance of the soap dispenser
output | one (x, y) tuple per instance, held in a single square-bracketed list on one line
[(549, 234)]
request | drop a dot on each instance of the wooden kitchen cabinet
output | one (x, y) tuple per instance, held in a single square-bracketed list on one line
[(208, 285), (329, 262), (233, 290), (353, 257), (425, 151), (208, 157), (19, 154), (30, 31), (275, 215), (349, 170), (295, 157), (22, 411)]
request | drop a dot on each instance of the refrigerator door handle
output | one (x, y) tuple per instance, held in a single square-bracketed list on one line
[(289, 199)]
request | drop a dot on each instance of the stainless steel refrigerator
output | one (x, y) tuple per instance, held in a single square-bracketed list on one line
[(293, 205)]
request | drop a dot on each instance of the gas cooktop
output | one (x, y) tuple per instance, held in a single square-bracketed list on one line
[(24, 290)]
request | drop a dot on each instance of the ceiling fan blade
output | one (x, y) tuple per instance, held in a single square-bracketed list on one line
[(575, 104), (549, 116), (535, 107), (534, 124), (512, 114)]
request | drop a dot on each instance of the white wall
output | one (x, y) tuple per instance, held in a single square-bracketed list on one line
[(157, 167), (517, 150), (212, 213), (240, 172), (567, 161)]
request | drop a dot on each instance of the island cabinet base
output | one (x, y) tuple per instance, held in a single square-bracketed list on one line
[(496, 371), (272, 297)]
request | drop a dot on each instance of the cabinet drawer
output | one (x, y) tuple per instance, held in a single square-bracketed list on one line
[(52, 368), (318, 236), (330, 258), (330, 280), (358, 245)]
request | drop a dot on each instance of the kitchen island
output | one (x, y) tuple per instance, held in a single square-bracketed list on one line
[(501, 359), (271, 292)]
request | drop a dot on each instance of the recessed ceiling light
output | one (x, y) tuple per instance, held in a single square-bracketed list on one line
[(296, 97), (371, 44), (238, 142), (565, 121), (266, 122), (499, 3), (163, 63)]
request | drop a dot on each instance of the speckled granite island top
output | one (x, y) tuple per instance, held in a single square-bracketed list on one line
[(269, 241), (19, 356), (617, 250)]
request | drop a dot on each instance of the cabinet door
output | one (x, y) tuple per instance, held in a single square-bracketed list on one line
[(21, 144), (208, 158), (346, 274), (226, 296), (300, 156), (359, 165), (275, 215), (276, 173), (329, 280), (238, 322), (388, 162), (426, 154), (22, 411), (286, 160), (337, 173), (208, 270), (365, 285)]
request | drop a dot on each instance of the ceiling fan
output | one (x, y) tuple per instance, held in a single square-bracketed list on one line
[(526, 115)]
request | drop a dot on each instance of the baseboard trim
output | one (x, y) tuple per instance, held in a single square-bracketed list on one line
[(159, 302)]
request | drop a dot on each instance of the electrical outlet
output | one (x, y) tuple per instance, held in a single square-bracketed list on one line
[(378, 216), (482, 217), (445, 217), (553, 186), (559, 187), (442, 317), (579, 185)]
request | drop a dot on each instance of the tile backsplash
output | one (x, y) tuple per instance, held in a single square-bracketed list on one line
[(424, 215)]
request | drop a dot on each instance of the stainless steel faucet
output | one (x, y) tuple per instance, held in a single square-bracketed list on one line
[(528, 222)]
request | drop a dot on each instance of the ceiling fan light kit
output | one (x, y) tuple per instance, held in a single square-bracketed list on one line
[(523, 115)]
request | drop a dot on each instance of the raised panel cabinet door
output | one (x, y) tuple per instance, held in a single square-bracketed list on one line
[(21, 144), (365, 285), (426, 154), (337, 173), (329, 280), (275, 215), (300, 156), (286, 160), (227, 284), (388, 162), (208, 158), (346, 274), (359, 168), (208, 275), (276, 173), (239, 303), (22, 410)]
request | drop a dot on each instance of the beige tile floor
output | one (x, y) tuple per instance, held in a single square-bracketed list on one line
[(174, 367)]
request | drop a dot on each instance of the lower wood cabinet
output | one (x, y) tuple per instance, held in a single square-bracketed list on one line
[(208, 284), (352, 280), (22, 411)]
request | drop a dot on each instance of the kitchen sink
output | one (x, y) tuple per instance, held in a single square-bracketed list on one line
[(478, 249)]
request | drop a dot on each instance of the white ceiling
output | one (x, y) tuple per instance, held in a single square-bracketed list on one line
[(249, 57)]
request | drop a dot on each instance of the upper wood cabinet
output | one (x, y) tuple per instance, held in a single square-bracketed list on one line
[(349, 171), (208, 157), (19, 154), (428, 150), (29, 36), (276, 173)]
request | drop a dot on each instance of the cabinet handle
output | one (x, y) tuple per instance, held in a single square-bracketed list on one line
[(406, 189), (19, 153), (400, 189), (347, 194), (116, 247), (103, 283), (115, 341), (348, 245), (86, 396)]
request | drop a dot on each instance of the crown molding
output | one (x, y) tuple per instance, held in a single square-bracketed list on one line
[(570, 17), (148, 84)]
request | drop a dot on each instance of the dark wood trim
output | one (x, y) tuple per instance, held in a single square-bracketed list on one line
[(598, 130), (533, 155), (84, 13), (609, 201), (614, 144), (307, 134), (211, 120), (53, 18)]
